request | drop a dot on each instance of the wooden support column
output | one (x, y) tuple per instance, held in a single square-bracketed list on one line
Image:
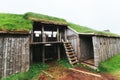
[(43, 49), (32, 36), (58, 34), (65, 34), (43, 54), (58, 51), (60, 37), (43, 35)]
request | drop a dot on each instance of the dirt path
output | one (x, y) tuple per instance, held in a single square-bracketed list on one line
[(60, 73)]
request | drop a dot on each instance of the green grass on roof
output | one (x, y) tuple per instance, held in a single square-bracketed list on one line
[(14, 22), (45, 18), (83, 29)]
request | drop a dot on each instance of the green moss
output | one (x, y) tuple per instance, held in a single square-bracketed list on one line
[(19, 22), (33, 73), (83, 29), (14, 22), (45, 18), (112, 65)]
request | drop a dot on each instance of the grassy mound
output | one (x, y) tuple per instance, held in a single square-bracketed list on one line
[(45, 18), (14, 22), (30, 75), (83, 29), (112, 65)]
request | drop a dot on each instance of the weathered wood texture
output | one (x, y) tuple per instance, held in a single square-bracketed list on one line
[(73, 37), (14, 54), (104, 48)]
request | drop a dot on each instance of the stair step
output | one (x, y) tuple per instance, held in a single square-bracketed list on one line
[(69, 53), (69, 47), (74, 62), (71, 56), (68, 50), (73, 59)]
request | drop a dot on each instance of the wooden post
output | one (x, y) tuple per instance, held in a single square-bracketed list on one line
[(43, 40), (65, 35), (31, 39), (60, 37), (43, 54), (78, 47), (58, 52), (57, 33), (43, 35), (31, 54)]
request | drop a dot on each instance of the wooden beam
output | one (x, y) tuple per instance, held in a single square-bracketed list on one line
[(88, 73)]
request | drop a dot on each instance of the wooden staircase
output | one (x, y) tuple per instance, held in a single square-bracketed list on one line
[(71, 55)]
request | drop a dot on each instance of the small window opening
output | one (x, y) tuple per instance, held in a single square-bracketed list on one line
[(37, 33)]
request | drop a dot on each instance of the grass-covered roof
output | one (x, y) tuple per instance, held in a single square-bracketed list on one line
[(19, 22), (45, 18), (14, 22), (83, 29)]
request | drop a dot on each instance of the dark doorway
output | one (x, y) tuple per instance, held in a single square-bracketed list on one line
[(86, 48)]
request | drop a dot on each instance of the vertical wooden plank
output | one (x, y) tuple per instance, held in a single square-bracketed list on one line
[(5, 56), (23, 56), (96, 53), (58, 34), (43, 35), (43, 54), (78, 48), (65, 34), (8, 57), (58, 52), (1, 56), (27, 53)]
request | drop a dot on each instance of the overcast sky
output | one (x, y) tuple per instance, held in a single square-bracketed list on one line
[(97, 14)]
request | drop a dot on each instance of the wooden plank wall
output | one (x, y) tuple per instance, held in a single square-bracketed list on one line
[(104, 48), (73, 37), (14, 54)]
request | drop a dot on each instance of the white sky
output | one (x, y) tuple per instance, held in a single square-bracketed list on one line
[(97, 14)]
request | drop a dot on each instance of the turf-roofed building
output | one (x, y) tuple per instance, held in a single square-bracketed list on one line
[(32, 37)]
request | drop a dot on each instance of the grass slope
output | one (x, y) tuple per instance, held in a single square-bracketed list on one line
[(14, 22), (30, 75), (45, 18), (83, 29), (111, 65)]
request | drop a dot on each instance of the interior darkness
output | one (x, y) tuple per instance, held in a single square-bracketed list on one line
[(86, 48), (51, 51)]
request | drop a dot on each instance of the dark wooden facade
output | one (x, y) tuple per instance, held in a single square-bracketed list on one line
[(46, 41), (96, 48), (14, 53)]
